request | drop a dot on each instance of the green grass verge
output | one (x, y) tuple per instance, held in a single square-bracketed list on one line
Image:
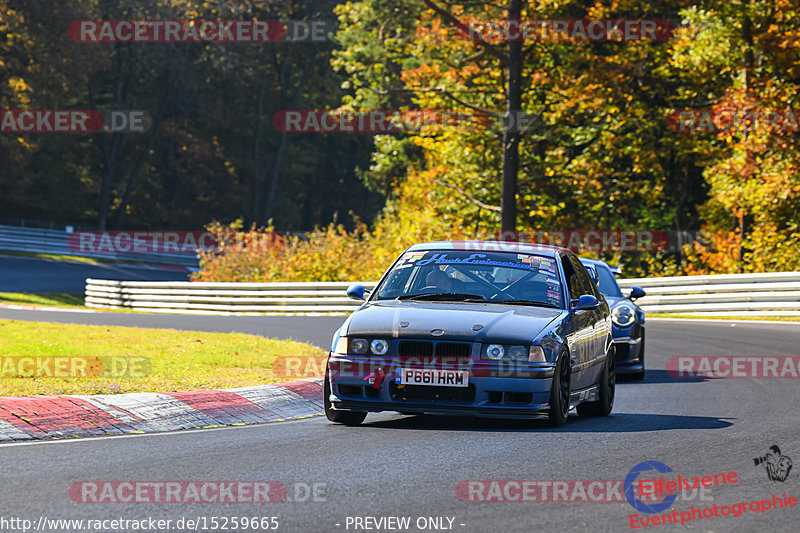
[(46, 299), (732, 317), (74, 258), (56, 257), (70, 300), (176, 360)]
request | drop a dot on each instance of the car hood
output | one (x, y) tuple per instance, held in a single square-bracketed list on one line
[(458, 321)]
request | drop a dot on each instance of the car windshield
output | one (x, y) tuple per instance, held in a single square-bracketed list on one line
[(607, 283), (456, 275)]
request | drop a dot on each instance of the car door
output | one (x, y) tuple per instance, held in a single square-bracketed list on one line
[(580, 339), (599, 323)]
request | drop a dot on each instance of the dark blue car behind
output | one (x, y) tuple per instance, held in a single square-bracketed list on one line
[(627, 320)]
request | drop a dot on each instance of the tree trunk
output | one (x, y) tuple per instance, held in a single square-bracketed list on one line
[(511, 130)]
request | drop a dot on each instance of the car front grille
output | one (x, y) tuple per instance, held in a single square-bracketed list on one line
[(453, 349), (450, 353), (426, 393), (415, 349)]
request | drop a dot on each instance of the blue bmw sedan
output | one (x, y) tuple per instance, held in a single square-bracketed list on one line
[(627, 319), (473, 327)]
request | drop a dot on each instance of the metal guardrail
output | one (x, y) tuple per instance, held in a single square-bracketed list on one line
[(770, 294), (222, 298), (51, 241), (731, 294)]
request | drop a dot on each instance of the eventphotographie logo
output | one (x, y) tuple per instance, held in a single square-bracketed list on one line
[(776, 464)]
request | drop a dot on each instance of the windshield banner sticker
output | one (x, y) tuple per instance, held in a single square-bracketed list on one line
[(477, 259)]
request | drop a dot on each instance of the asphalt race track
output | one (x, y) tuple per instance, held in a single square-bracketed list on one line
[(30, 274), (410, 466)]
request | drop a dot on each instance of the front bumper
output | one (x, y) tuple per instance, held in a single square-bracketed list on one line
[(627, 360), (490, 392)]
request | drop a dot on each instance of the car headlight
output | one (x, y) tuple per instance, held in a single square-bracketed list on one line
[(623, 315), (518, 353), (495, 351), (359, 346), (504, 352), (379, 346), (341, 346)]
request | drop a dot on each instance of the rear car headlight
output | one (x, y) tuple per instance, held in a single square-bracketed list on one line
[(623, 315), (379, 346), (359, 346), (495, 352)]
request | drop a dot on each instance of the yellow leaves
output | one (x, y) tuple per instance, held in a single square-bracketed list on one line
[(18, 85)]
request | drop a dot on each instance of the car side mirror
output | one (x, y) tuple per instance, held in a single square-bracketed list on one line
[(586, 302), (356, 292), (636, 292)]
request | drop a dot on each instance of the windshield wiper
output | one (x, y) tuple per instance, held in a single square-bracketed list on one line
[(442, 296), (529, 302)]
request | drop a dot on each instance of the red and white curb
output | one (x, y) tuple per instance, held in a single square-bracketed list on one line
[(52, 417)]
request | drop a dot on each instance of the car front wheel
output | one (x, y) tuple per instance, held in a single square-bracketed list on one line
[(348, 418), (560, 392)]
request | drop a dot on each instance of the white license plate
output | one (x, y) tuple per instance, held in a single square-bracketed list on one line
[(432, 376)]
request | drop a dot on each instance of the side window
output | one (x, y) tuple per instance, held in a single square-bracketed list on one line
[(585, 282), (571, 280)]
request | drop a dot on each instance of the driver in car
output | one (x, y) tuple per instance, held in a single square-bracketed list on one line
[(441, 281), (533, 289)]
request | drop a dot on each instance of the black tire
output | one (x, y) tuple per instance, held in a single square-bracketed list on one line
[(560, 392), (608, 387), (640, 375), (348, 418)]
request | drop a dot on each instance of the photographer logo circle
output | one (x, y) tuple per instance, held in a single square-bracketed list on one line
[(630, 484)]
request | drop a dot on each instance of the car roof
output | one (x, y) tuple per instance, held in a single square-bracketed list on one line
[(597, 262), (490, 246), (587, 261)]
